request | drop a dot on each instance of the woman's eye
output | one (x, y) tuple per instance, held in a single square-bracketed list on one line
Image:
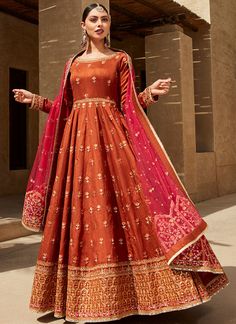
[(95, 19)]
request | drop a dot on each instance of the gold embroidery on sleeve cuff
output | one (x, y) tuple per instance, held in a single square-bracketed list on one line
[(37, 102), (147, 96)]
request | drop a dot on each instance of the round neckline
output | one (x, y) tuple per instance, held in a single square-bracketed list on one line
[(84, 59)]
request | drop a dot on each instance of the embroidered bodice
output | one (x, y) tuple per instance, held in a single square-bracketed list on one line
[(97, 78)]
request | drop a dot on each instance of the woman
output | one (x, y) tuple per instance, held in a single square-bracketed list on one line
[(121, 236)]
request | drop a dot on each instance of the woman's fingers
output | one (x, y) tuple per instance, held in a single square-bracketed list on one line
[(164, 80), (164, 86), (161, 86), (17, 91), (22, 95), (18, 95)]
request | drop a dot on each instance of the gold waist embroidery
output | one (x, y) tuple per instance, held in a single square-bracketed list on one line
[(81, 103)]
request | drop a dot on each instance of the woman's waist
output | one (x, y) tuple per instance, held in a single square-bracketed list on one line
[(95, 101)]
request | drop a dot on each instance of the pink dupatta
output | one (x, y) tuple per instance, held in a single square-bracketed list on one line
[(177, 221), (38, 191)]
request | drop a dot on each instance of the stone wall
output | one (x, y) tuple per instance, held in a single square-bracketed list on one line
[(214, 54), (19, 49), (223, 56), (169, 54)]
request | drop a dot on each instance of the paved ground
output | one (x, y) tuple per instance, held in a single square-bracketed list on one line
[(10, 217), (18, 256)]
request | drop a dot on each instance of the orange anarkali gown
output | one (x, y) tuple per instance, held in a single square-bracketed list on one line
[(100, 258)]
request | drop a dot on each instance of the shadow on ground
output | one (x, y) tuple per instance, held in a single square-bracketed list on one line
[(17, 256), (220, 310), (215, 205), (219, 243)]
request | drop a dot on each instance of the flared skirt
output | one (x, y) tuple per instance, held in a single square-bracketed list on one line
[(100, 258)]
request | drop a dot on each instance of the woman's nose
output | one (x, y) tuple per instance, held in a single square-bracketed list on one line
[(99, 22)]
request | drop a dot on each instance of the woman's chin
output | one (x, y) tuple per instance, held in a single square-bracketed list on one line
[(97, 38)]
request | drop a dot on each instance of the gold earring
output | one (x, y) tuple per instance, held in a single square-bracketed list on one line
[(84, 41), (107, 41)]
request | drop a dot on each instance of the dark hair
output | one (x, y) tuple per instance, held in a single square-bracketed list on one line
[(91, 7)]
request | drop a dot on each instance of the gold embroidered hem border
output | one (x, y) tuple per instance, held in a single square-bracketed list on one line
[(202, 268), (118, 317), (33, 210), (111, 292)]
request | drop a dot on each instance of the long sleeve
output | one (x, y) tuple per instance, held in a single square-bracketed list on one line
[(41, 103), (145, 97)]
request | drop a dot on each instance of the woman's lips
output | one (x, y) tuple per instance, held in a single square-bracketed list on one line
[(99, 31)]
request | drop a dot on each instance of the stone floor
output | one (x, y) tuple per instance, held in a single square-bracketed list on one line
[(10, 217), (18, 256)]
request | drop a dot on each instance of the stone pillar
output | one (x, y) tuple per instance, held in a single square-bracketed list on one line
[(59, 38), (223, 49), (205, 156), (169, 54)]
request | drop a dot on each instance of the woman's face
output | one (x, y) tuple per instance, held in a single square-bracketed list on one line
[(97, 24)]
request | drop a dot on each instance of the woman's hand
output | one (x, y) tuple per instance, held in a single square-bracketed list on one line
[(160, 87), (23, 96)]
